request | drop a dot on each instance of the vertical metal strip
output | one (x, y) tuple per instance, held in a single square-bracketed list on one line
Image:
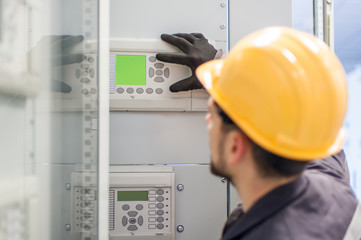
[(103, 116)]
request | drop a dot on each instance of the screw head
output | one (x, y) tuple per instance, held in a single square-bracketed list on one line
[(224, 180), (68, 186), (180, 228), (180, 187), (67, 227), (222, 26), (223, 4)]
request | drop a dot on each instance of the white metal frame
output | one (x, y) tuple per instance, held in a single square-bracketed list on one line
[(103, 123)]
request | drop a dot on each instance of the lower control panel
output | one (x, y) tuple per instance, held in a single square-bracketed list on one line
[(141, 204)]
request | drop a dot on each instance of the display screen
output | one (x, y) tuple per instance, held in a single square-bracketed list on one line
[(132, 196), (130, 70)]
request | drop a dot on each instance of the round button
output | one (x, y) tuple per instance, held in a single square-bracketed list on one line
[(132, 221), (160, 205), (160, 199), (91, 59), (130, 90), (120, 90), (84, 80), (160, 219), (125, 207), (160, 212), (160, 191), (160, 226), (159, 72), (93, 91), (149, 90), (139, 207), (152, 59), (84, 91), (159, 91), (140, 90)]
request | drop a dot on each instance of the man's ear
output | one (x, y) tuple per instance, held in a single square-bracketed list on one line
[(237, 148)]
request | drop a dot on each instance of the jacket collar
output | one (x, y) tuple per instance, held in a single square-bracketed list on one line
[(271, 203)]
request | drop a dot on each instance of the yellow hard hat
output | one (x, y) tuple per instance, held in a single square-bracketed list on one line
[(285, 89)]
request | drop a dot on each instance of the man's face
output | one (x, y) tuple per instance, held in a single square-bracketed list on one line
[(217, 141)]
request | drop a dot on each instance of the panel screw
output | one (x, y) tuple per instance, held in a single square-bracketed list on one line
[(224, 180), (67, 227), (222, 26), (329, 1), (180, 187), (223, 4), (68, 186), (180, 228)]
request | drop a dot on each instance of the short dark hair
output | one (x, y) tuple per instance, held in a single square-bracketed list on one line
[(268, 164)]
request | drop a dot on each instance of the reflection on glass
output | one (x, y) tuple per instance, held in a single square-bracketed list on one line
[(48, 119)]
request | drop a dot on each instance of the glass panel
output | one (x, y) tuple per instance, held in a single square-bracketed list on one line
[(347, 48), (48, 119)]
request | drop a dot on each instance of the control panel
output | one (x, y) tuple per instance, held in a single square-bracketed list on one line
[(139, 82), (141, 203)]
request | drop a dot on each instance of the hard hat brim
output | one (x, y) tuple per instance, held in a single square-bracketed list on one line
[(209, 73)]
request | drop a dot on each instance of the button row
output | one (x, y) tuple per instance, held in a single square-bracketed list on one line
[(120, 90), (126, 207), (158, 226), (86, 72), (86, 91), (158, 219)]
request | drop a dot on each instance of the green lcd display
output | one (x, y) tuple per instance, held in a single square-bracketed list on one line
[(130, 70), (132, 196)]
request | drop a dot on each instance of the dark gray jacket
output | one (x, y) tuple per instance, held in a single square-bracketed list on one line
[(320, 204)]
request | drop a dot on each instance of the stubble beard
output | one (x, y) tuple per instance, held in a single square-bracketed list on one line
[(220, 169)]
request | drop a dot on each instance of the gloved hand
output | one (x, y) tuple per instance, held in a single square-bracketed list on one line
[(61, 53), (197, 51)]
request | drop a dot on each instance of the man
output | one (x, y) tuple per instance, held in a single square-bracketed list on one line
[(278, 101)]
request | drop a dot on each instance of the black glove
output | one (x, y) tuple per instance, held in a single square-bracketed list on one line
[(197, 51), (60, 54)]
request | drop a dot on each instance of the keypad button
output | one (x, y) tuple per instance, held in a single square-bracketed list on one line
[(91, 59), (160, 199), (160, 212), (85, 73), (159, 65), (158, 79), (166, 72), (85, 91), (140, 220), (159, 72), (160, 205), (140, 90), (132, 228), (151, 219), (133, 221), (93, 91), (149, 90), (92, 73), (130, 90), (84, 80), (160, 191), (77, 73), (151, 72), (125, 207), (152, 199), (124, 221), (151, 212), (120, 90), (159, 91), (160, 226), (151, 226), (132, 213), (151, 192), (152, 59), (151, 205), (139, 207), (159, 219), (84, 66)]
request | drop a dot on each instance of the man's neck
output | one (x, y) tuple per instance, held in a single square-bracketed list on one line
[(255, 188)]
